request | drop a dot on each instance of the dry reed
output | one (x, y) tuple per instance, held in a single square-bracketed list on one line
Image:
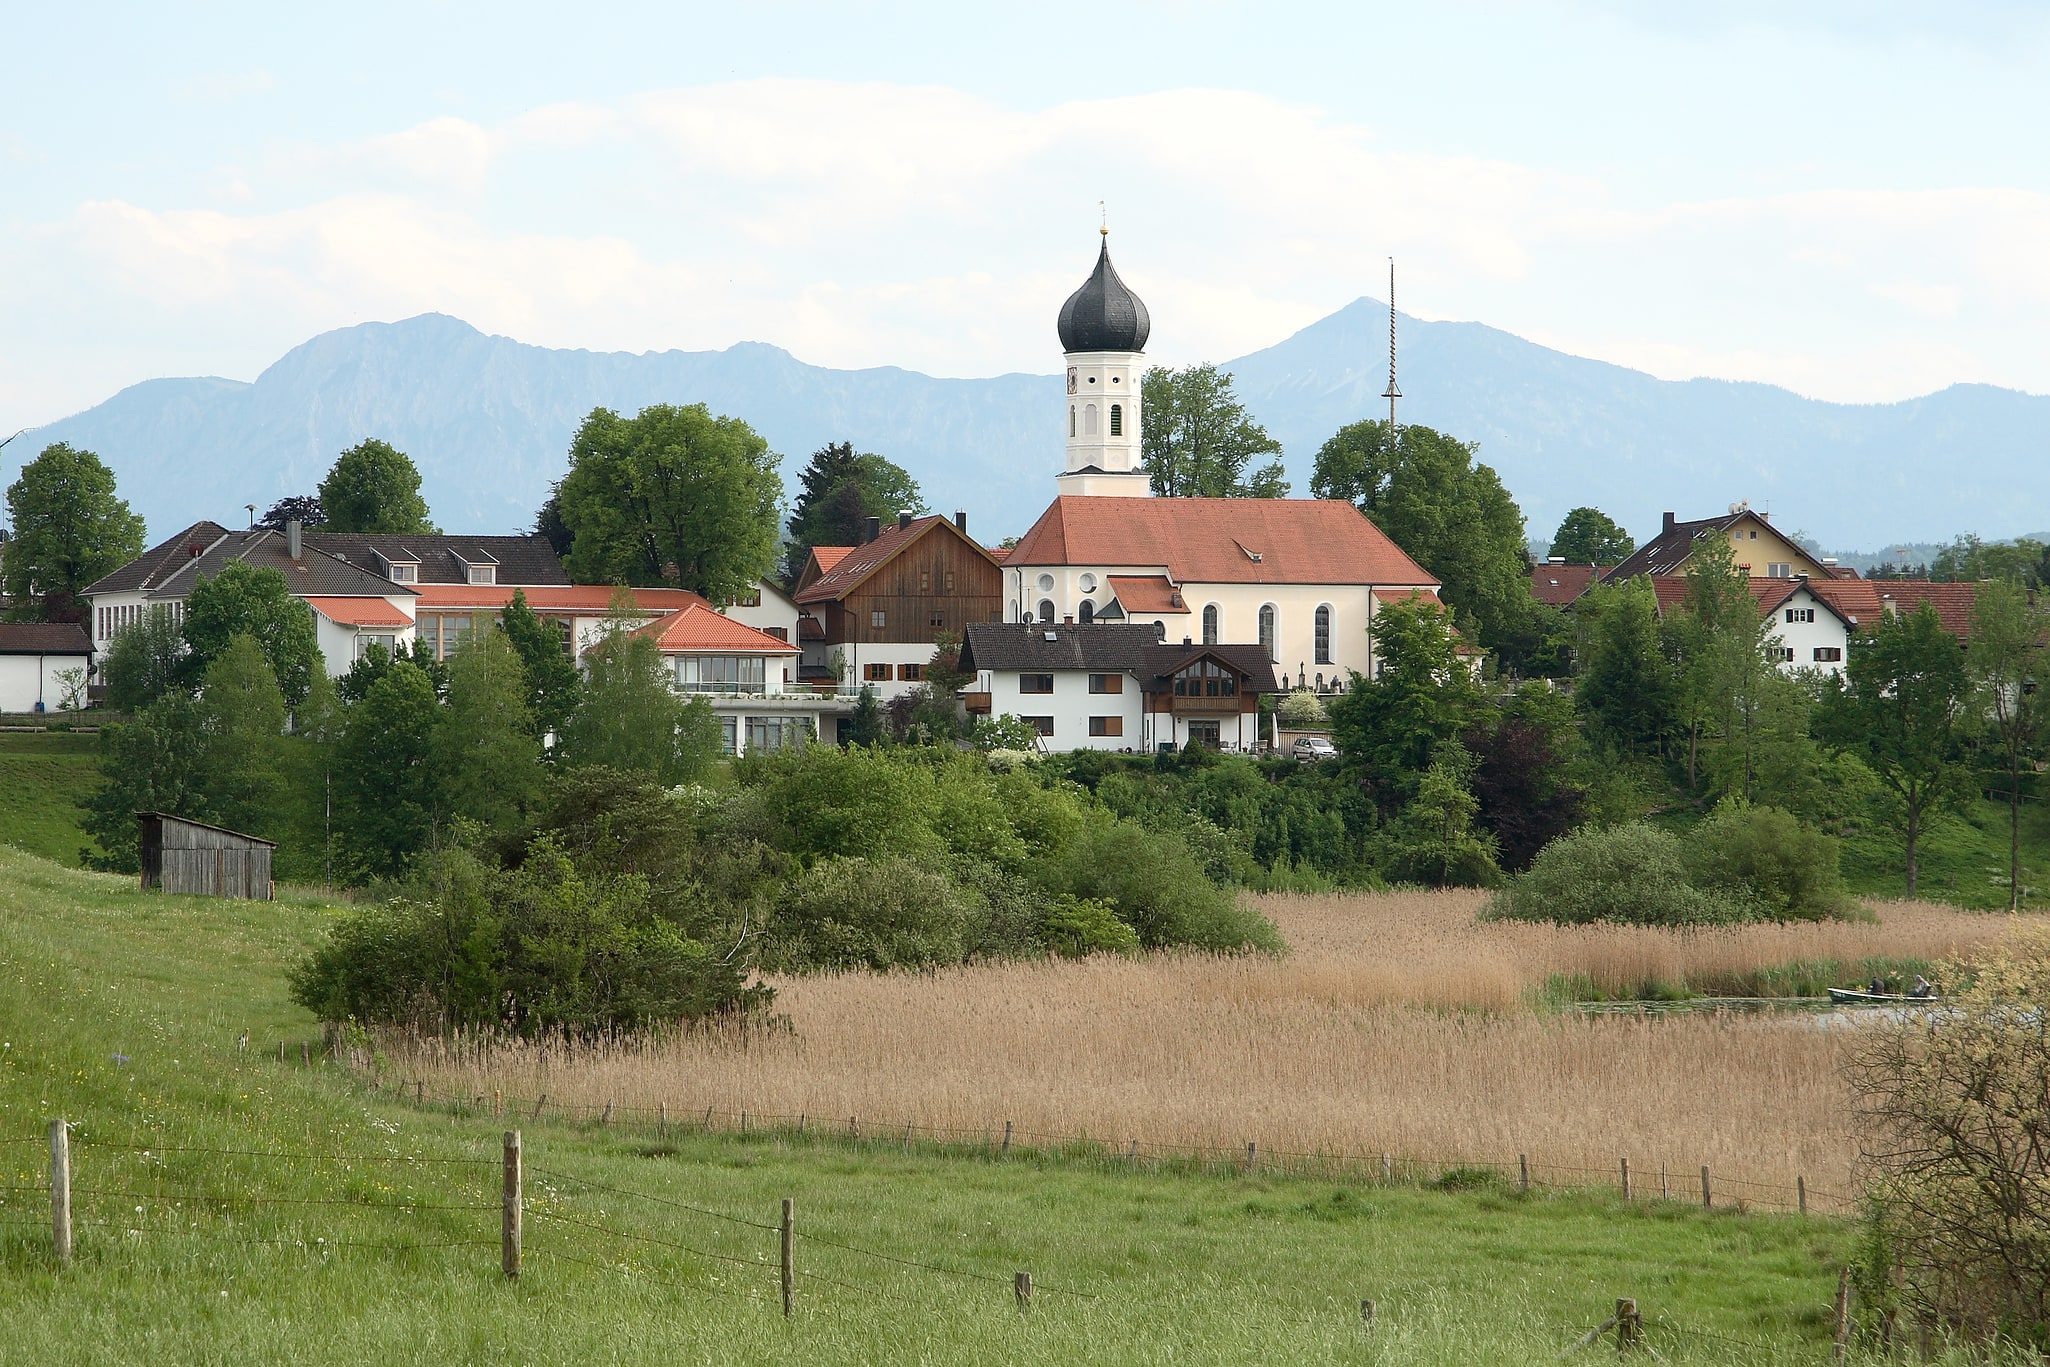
[(1343, 1046)]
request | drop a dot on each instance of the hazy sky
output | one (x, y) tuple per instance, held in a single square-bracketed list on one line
[(1854, 203)]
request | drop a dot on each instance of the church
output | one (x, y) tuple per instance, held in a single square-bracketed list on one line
[(1301, 578)]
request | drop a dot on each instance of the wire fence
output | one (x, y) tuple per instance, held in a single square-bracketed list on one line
[(1697, 1185), (697, 1248)]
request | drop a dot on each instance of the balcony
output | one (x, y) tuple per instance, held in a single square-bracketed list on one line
[(978, 704), (775, 693)]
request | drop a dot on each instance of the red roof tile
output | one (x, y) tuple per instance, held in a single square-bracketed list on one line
[(699, 628), (1146, 593), (1954, 602), (1220, 540), (1855, 600), (360, 612), (1560, 585), (850, 570)]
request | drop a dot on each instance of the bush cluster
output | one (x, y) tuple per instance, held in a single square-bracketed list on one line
[(1743, 863)]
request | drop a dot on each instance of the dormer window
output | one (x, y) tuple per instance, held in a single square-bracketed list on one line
[(402, 568), (404, 574), (483, 574), (481, 570)]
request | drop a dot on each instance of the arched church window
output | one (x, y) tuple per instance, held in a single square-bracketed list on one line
[(1324, 634), (1267, 629), (1046, 609), (1089, 420), (1117, 420), (1071, 420), (1086, 613), (1210, 624)]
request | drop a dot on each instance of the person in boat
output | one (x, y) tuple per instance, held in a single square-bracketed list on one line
[(1922, 988), (1877, 987)]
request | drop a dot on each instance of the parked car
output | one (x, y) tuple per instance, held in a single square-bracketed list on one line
[(1310, 749)]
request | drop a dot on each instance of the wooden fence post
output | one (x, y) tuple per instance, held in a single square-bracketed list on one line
[(1021, 1287), (509, 1235), (1843, 1316), (1629, 1324), (1367, 1314), (1007, 1136), (281, 1051), (907, 1139), (800, 1121), (419, 1092), (789, 1256), (497, 1103), (1387, 1168), (60, 1189), (1707, 1202), (853, 1128), (1133, 1157), (662, 1121), (1523, 1170), (606, 1119), (1801, 1193), (1252, 1154), (539, 1102), (1626, 1180), (305, 1055)]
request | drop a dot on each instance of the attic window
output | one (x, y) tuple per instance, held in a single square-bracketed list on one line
[(1251, 554), (1053, 636), (483, 574)]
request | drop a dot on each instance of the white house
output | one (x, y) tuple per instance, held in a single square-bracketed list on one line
[(749, 677), (1809, 630), (1298, 576), (768, 610), (43, 666), (1113, 686)]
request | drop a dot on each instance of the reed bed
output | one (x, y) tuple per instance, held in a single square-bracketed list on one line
[(1344, 1046)]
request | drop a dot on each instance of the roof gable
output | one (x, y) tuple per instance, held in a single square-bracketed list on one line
[(699, 628), (853, 569), (1220, 540), (165, 558)]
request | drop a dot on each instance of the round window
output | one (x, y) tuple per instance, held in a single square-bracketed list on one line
[(1088, 583), (1045, 582)]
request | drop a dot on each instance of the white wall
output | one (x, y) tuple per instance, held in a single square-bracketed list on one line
[(1827, 630), (859, 654), (1071, 705), (26, 680), (1102, 378), (775, 610)]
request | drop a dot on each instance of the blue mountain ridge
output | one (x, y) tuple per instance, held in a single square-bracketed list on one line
[(489, 420)]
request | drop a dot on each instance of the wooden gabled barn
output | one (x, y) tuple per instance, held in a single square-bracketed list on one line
[(193, 859)]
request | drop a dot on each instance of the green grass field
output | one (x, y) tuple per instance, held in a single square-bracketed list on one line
[(1963, 857), (42, 776), (122, 1011)]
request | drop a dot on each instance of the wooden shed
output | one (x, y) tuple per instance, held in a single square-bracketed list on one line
[(198, 860)]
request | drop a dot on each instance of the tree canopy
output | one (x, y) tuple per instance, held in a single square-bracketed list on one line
[(1197, 437), (70, 528), (244, 599), (303, 509), (672, 496), (1589, 536), (374, 487), (1421, 697), (1449, 512), (839, 490)]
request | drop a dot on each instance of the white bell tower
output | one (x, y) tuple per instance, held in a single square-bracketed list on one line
[(1103, 329)]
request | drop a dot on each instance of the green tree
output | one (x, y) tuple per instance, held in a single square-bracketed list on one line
[(630, 718), (303, 509), (1897, 707), (151, 764), (671, 496), (1452, 515), (374, 487), (144, 661), (245, 600), (70, 528), (1589, 536), (2006, 658), (1198, 437), (307, 855), (384, 799), (241, 760), (1627, 689), (486, 757), (838, 491), (1421, 696), (552, 678), (1433, 840), (1715, 640)]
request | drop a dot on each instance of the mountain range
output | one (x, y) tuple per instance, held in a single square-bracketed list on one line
[(489, 419)]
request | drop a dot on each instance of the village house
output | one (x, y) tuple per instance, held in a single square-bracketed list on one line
[(43, 666), (1115, 686)]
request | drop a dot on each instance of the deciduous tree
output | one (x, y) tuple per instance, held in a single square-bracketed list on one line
[(630, 717), (2007, 660), (243, 599), (385, 803), (1627, 689), (1422, 696), (671, 496), (839, 490), (486, 757), (552, 679), (1589, 536), (241, 718), (1197, 438), (374, 487), (70, 528), (144, 661), (303, 509)]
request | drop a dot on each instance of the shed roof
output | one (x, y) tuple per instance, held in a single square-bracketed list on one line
[(1147, 593), (205, 826)]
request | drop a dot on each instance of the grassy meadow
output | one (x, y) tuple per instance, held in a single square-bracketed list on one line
[(230, 1207), (42, 776)]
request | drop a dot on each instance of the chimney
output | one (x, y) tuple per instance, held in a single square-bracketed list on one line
[(903, 518), (1186, 643), (875, 529), (1068, 620), (1669, 522), (1555, 560), (961, 521), (293, 528), (1829, 562)]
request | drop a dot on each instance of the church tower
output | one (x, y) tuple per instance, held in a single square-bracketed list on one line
[(1103, 330)]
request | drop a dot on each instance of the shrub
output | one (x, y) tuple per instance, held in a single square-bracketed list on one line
[(1076, 926), (848, 913), (1767, 859), (1159, 890), (1633, 873), (1301, 710)]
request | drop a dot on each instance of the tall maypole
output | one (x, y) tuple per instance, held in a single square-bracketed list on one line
[(1394, 390)]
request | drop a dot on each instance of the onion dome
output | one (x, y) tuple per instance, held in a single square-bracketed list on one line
[(1104, 315)]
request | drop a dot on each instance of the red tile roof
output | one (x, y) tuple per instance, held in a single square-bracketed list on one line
[(1560, 585), (587, 600), (360, 612), (1220, 540), (1146, 593), (699, 628), (1671, 590), (850, 570), (1408, 596), (1855, 600), (1954, 602)]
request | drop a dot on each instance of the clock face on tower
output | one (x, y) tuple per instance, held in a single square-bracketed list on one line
[(1071, 379)]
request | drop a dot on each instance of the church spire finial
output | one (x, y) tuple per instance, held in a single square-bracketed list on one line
[(1393, 391), (1103, 214)]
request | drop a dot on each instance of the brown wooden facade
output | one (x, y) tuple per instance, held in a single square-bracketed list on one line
[(938, 581)]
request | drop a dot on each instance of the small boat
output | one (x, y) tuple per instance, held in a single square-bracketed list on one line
[(1850, 996)]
